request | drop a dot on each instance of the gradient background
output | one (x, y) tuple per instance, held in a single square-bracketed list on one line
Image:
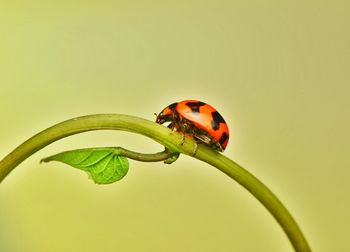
[(278, 71)]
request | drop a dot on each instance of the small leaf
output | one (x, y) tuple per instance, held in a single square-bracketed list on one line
[(103, 165)]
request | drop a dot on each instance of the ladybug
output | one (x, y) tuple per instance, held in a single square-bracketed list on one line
[(197, 120)]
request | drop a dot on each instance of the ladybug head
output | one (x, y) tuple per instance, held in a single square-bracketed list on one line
[(167, 114), (160, 118)]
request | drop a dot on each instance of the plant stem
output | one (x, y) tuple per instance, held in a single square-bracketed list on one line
[(73, 126), (142, 157), (145, 157), (261, 192), (172, 141)]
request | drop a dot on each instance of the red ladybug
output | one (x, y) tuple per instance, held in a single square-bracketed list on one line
[(197, 120)]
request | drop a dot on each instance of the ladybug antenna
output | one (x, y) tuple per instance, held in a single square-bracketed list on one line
[(155, 114)]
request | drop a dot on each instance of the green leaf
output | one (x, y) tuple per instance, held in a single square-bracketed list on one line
[(104, 165)]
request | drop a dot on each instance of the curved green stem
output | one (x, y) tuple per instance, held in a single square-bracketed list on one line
[(165, 155), (172, 141), (261, 192)]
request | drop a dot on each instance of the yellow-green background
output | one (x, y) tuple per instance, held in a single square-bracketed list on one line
[(278, 71)]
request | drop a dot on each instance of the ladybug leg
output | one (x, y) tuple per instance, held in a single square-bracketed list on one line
[(171, 126), (182, 138), (195, 150), (203, 138), (185, 129)]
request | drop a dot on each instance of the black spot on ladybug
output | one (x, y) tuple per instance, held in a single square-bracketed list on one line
[(217, 119), (223, 138), (194, 106), (173, 106)]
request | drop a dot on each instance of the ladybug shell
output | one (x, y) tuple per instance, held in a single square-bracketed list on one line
[(201, 115), (205, 117)]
